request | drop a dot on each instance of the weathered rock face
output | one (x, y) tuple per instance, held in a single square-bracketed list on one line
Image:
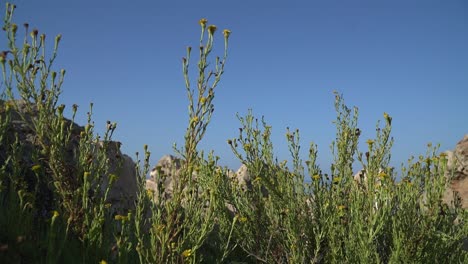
[(24, 114), (361, 176), (124, 190), (243, 177), (457, 162), (167, 172)]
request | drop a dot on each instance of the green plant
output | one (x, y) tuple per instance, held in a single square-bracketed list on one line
[(54, 191)]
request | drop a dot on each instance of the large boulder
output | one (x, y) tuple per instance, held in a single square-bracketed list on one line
[(165, 173), (123, 191), (457, 164), (23, 115)]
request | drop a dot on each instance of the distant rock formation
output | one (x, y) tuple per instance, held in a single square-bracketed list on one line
[(457, 163), (167, 173)]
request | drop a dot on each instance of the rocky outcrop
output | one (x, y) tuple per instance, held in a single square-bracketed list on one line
[(23, 115), (124, 190), (167, 172), (457, 164)]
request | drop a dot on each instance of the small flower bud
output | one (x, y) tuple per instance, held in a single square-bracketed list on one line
[(203, 22), (226, 33), (58, 38), (14, 28), (211, 29), (60, 109), (34, 33)]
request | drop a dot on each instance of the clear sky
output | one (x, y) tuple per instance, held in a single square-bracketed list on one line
[(406, 58)]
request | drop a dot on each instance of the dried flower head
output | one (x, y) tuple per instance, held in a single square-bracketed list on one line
[(211, 29), (226, 33), (14, 28), (203, 22), (34, 33)]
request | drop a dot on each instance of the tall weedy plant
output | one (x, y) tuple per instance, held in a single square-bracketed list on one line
[(60, 177), (181, 223)]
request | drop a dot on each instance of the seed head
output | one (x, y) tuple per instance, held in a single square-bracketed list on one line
[(203, 22), (211, 29), (57, 39), (226, 33), (34, 33)]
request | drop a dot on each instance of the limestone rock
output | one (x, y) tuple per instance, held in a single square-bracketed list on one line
[(124, 190), (166, 172), (23, 114), (242, 176), (457, 162)]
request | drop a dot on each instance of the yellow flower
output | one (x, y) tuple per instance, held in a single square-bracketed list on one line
[(382, 175), (149, 193), (14, 28), (203, 100), (194, 119), (336, 180), (55, 214), (316, 177), (160, 228), (226, 33), (388, 118), (243, 219), (247, 147), (203, 22), (112, 178), (36, 168), (187, 253), (211, 29), (121, 218), (102, 262), (370, 142)]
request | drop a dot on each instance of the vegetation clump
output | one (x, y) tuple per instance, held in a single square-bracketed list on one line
[(54, 185)]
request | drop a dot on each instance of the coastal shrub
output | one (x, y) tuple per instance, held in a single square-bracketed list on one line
[(53, 196)]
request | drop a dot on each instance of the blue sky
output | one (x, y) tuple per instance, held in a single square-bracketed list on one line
[(406, 58)]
